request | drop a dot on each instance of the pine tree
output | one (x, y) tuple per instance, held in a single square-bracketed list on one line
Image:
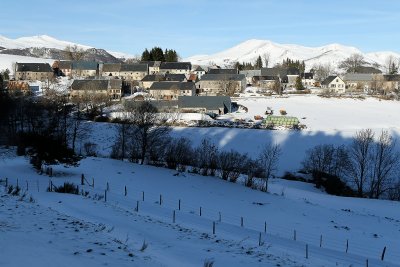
[(299, 85), (157, 54), (146, 55), (259, 63)]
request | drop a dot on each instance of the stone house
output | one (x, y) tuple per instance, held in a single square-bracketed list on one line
[(213, 104), (358, 82), (199, 71), (33, 71), (250, 74), (153, 66), (112, 88), (175, 77), (85, 69), (335, 84), (221, 84), (391, 82), (222, 71), (110, 69), (175, 67), (148, 80), (171, 90), (134, 72)]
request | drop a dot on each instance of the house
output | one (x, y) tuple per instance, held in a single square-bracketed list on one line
[(221, 84), (175, 67), (175, 77), (222, 71), (265, 82), (199, 71), (19, 86), (307, 79), (335, 84), (153, 66), (250, 74), (193, 78), (171, 90), (84, 69), (110, 88), (110, 69), (212, 104), (358, 82), (391, 82), (33, 71), (148, 80), (134, 72)]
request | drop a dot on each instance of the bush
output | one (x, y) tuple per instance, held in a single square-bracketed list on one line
[(101, 119), (67, 188)]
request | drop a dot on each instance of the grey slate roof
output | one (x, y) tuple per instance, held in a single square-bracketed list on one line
[(34, 67), (153, 78), (250, 73), (392, 78), (198, 68), (115, 83), (223, 77), (176, 66), (208, 102), (111, 67), (151, 63), (134, 67), (273, 72), (307, 75), (359, 77), (265, 78), (223, 71), (173, 86), (66, 64), (89, 85), (175, 77), (84, 65), (329, 79)]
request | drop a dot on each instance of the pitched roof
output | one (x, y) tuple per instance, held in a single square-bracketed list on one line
[(175, 77), (153, 78), (134, 67), (176, 66), (199, 68), (307, 75), (115, 83), (250, 73), (173, 86), (223, 77), (65, 64), (111, 67), (89, 85), (84, 65), (273, 72), (34, 67), (392, 78), (329, 79), (151, 63), (223, 71), (265, 78), (359, 77), (208, 102), (192, 77)]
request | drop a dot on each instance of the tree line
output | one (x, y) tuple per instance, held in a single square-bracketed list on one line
[(157, 54)]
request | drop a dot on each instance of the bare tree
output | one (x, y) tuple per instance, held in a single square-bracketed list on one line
[(268, 159), (376, 85), (392, 65), (352, 63), (360, 155), (178, 153), (321, 71), (147, 132), (386, 162), (74, 52), (231, 164), (266, 57), (206, 155)]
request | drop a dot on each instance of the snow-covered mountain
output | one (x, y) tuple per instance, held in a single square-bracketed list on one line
[(248, 51), (44, 46)]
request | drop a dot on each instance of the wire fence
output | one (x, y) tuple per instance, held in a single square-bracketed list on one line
[(183, 211)]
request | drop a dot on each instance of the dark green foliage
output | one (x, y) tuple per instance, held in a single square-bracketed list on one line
[(157, 54), (171, 55), (258, 64), (333, 185), (299, 84), (146, 56)]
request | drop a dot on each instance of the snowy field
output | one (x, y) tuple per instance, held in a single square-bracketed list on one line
[(87, 231)]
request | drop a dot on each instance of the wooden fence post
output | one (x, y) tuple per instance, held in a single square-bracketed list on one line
[(200, 211), (93, 182), (306, 251), (105, 195), (383, 254), (294, 235), (173, 216), (241, 221), (160, 199), (27, 186), (143, 196), (219, 216), (137, 206), (37, 183), (213, 228), (108, 187), (126, 192), (6, 182), (179, 204), (82, 179), (347, 245), (265, 227), (17, 182), (259, 239), (366, 263), (320, 241)]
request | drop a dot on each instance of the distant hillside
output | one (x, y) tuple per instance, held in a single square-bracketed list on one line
[(248, 51)]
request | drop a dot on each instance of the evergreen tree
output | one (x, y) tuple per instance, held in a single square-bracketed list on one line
[(259, 63), (171, 55), (157, 54), (146, 55), (6, 75), (299, 85)]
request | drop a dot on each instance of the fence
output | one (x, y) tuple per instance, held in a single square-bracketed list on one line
[(177, 210)]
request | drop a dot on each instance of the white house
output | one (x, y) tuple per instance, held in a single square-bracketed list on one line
[(335, 84)]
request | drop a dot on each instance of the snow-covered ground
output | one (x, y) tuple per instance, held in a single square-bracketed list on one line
[(87, 231), (7, 61)]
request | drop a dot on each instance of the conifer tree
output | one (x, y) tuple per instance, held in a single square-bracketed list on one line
[(259, 63), (299, 85), (146, 55)]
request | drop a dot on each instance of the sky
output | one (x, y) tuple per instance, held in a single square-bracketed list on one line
[(208, 26)]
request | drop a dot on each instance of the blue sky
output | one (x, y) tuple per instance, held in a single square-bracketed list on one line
[(208, 26)]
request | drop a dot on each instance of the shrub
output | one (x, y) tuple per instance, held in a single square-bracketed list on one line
[(67, 188)]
